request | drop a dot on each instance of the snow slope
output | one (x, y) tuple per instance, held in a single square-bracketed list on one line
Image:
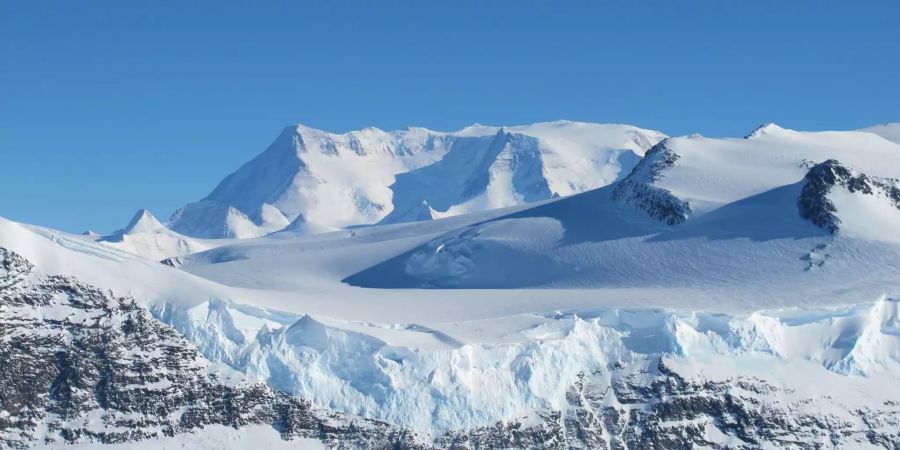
[(146, 236), (520, 165), (441, 373), (352, 179), (710, 173), (889, 131), (695, 213)]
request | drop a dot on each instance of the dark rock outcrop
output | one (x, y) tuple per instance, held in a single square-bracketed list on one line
[(656, 408), (637, 188), (814, 204), (81, 364)]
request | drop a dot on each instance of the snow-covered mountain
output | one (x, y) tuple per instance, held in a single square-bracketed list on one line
[(715, 293), (697, 206), (147, 237), (367, 176)]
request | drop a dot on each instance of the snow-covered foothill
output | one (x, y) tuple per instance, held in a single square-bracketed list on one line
[(147, 237)]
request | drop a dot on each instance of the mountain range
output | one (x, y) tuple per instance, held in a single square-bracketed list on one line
[(558, 285)]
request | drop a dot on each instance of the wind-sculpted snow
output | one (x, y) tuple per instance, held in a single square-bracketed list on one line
[(511, 245)]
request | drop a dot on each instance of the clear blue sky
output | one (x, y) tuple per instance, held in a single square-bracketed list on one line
[(110, 106)]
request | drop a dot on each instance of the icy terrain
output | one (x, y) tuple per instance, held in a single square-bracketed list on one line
[(366, 176), (146, 236), (718, 292)]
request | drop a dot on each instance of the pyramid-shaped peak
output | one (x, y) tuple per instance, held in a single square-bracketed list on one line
[(143, 221), (764, 129)]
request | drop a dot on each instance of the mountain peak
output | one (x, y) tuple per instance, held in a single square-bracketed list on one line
[(764, 129), (356, 178), (142, 221)]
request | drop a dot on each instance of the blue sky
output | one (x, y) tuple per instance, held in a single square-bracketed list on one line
[(110, 106)]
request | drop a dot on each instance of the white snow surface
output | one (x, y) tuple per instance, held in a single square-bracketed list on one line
[(462, 321), (145, 236), (370, 175), (889, 131), (711, 173)]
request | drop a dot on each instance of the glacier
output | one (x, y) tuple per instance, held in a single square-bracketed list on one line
[(452, 385), (665, 291)]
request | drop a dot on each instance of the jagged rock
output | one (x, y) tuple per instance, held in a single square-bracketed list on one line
[(814, 204), (637, 188), (82, 365), (173, 261), (656, 408)]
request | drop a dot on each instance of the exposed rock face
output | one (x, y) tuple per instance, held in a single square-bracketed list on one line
[(81, 365), (174, 261), (637, 188), (814, 204), (657, 408)]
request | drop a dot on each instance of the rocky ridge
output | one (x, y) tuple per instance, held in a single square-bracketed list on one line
[(822, 178), (83, 366), (637, 188)]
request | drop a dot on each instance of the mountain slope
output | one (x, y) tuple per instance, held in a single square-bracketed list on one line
[(366, 176), (101, 369), (889, 131), (520, 165), (147, 237), (694, 212), (638, 378)]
